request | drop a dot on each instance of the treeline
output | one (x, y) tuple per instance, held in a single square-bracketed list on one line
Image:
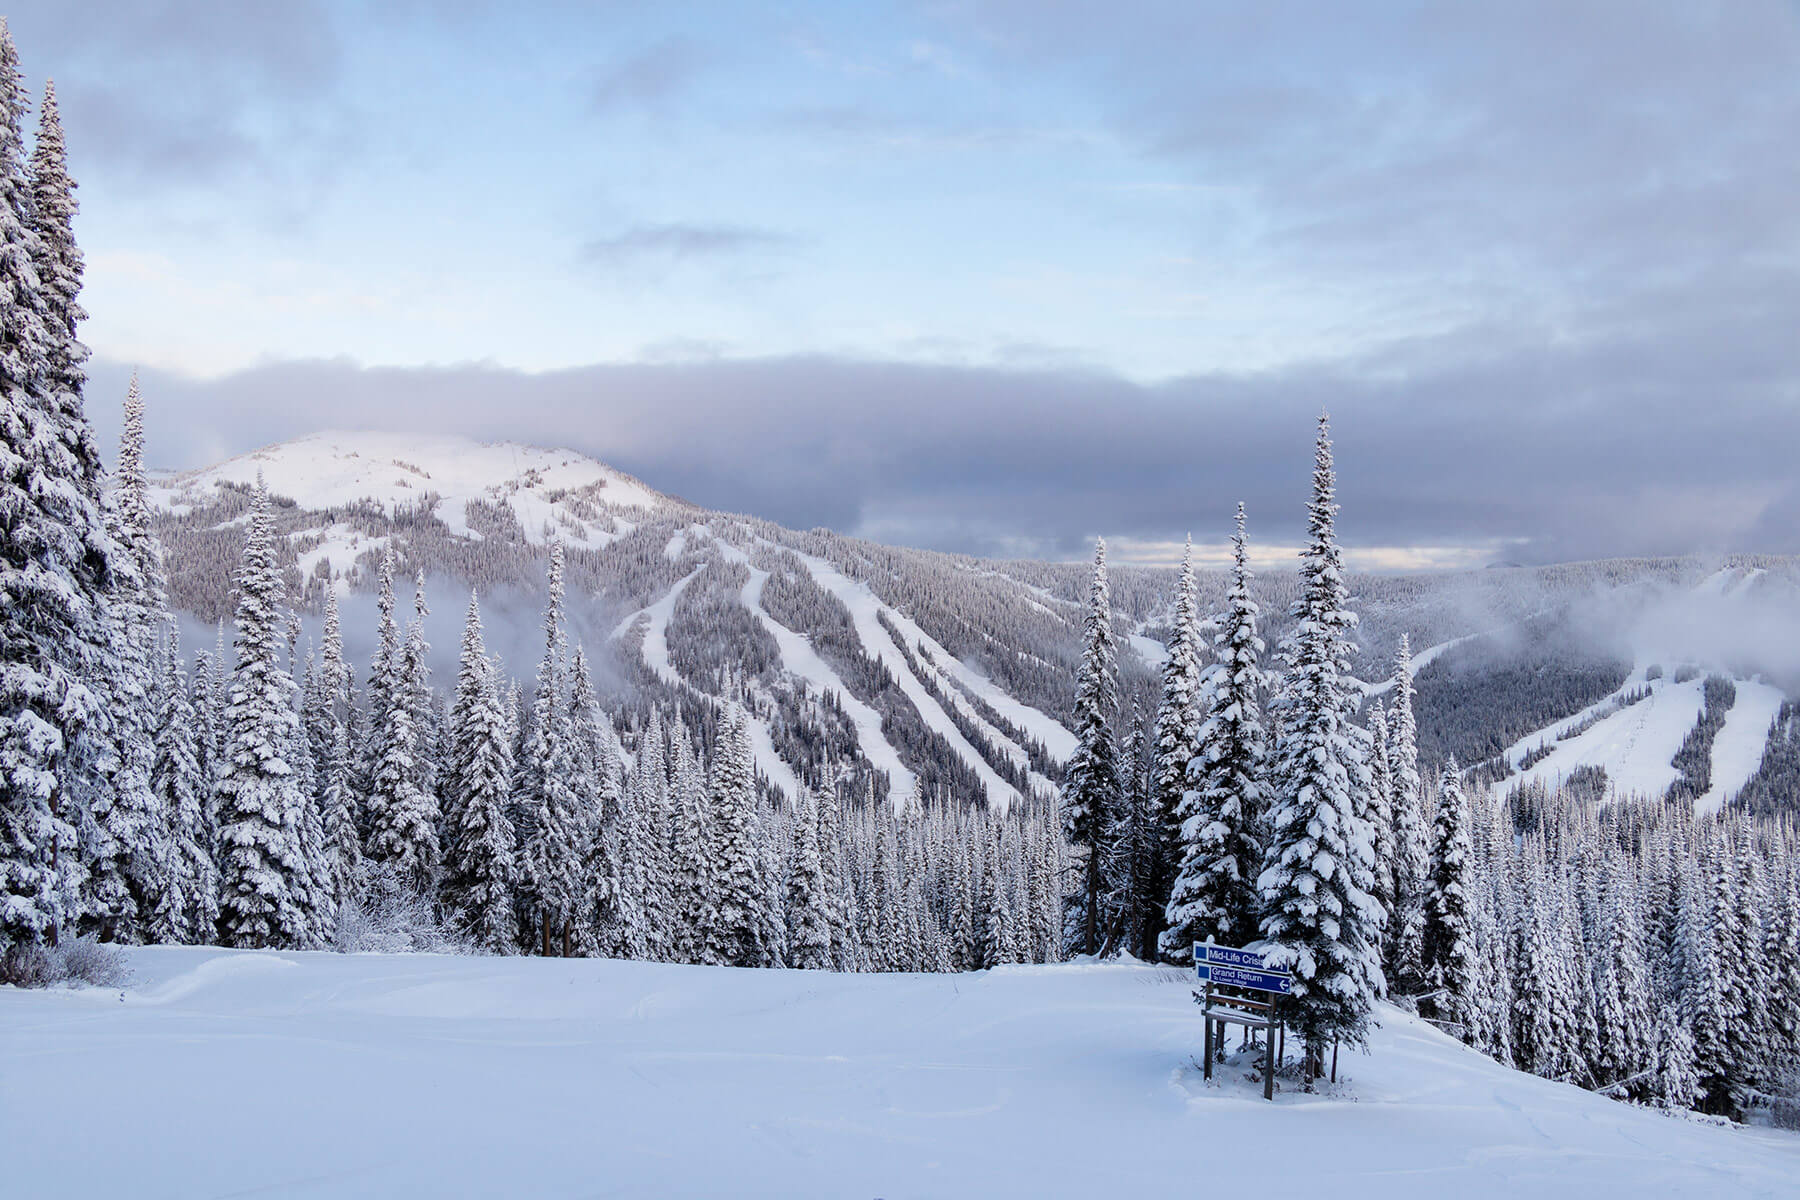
[(1630, 948)]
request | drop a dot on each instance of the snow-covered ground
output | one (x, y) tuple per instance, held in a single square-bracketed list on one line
[(1738, 746), (287, 1075)]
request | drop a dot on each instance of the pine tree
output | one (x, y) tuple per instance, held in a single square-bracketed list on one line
[(1747, 1036), (1676, 1084), (189, 911), (808, 906), (58, 264), (691, 880), (553, 850), (738, 920), (1318, 870), (262, 863), (128, 856), (328, 718), (1781, 959), (1135, 849), (1177, 740), (1709, 1001), (1622, 998), (1215, 892), (1449, 940), (56, 555), (384, 674), (1091, 779), (480, 869), (1405, 941), (403, 808)]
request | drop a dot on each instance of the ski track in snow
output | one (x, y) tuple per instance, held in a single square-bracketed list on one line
[(427, 1075), (864, 607), (1634, 745), (1150, 652), (1420, 661), (656, 634), (775, 769), (1739, 744), (799, 657)]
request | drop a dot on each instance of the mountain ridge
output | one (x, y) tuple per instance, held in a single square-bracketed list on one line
[(917, 667)]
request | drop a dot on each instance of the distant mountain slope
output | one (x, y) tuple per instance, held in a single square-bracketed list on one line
[(912, 668)]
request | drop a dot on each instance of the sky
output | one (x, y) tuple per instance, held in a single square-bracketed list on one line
[(989, 276)]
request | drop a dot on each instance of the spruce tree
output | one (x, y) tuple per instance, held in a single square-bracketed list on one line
[(1404, 945), (129, 854), (1178, 719), (1449, 942), (1781, 959), (403, 808), (1091, 779), (1215, 893), (1622, 999), (738, 921), (262, 864), (809, 922), (480, 870), (1318, 869), (1133, 909), (610, 909), (56, 555), (189, 908), (552, 851)]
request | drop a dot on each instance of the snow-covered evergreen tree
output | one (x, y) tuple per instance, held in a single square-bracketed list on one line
[(1622, 999), (1318, 869), (403, 807), (128, 856), (738, 921), (809, 921), (1676, 1082), (1215, 893), (480, 869), (1404, 945), (552, 852), (1449, 941), (1135, 850), (1177, 738), (189, 908), (1090, 793), (262, 862)]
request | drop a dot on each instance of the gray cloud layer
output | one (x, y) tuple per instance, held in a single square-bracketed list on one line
[(1660, 438)]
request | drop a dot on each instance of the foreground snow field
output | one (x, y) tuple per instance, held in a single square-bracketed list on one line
[(220, 1073)]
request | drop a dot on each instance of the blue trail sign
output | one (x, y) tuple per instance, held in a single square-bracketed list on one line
[(1227, 966)]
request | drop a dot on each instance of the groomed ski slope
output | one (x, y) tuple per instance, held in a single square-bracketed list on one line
[(308, 1075)]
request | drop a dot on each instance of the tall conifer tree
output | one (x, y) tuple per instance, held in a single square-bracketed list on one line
[(1090, 794), (1317, 876)]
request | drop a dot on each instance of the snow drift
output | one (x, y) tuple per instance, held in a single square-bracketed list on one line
[(234, 1073)]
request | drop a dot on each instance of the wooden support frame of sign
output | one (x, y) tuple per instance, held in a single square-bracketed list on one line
[(1222, 1008)]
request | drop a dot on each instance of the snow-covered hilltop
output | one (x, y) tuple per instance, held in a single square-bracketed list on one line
[(551, 492)]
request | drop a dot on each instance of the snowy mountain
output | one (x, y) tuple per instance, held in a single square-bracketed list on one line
[(912, 668), (428, 1075)]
